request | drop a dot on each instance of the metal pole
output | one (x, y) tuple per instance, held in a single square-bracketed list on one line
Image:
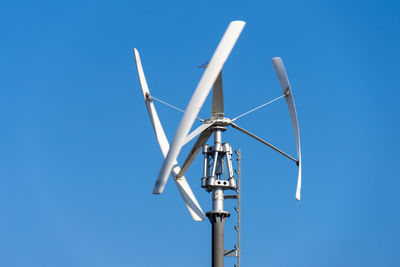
[(218, 242), (217, 216), (217, 220)]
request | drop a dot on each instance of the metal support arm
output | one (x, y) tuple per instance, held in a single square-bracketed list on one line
[(262, 141)]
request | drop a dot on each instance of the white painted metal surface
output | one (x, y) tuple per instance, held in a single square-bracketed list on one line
[(195, 150), (196, 102), (284, 81), (217, 104), (197, 131), (184, 189)]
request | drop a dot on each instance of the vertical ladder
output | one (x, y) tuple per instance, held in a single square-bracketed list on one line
[(236, 251)]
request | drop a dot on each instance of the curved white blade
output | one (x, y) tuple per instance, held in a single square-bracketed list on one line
[(196, 102), (184, 189), (195, 150), (284, 81), (217, 106), (155, 121), (197, 131)]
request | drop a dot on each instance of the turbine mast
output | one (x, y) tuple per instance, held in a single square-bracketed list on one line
[(215, 157)]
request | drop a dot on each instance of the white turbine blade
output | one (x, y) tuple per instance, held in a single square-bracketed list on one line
[(196, 102), (217, 106), (184, 189), (188, 197), (155, 121), (194, 151), (287, 90), (197, 131)]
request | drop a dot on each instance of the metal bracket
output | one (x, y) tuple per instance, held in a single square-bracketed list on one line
[(231, 252), (212, 172)]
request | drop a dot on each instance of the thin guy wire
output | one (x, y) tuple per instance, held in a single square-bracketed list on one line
[(165, 103), (254, 109)]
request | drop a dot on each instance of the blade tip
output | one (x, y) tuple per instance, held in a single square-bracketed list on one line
[(276, 59), (238, 22), (198, 217), (160, 183), (157, 191), (298, 195)]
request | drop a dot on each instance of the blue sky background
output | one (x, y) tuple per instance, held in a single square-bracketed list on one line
[(79, 159)]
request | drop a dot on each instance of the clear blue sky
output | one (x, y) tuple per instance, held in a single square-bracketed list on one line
[(78, 158)]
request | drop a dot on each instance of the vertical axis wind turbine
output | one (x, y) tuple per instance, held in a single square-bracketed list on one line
[(219, 154)]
